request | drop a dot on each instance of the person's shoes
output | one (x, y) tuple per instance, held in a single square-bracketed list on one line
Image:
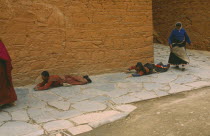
[(87, 78)]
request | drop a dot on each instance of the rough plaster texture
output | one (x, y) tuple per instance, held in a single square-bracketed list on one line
[(194, 14), (75, 36)]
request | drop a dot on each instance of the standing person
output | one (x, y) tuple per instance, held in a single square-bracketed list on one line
[(7, 92), (177, 42)]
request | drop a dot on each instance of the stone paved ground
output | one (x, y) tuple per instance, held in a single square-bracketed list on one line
[(76, 109)]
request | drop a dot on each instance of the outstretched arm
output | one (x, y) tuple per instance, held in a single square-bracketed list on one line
[(43, 86)]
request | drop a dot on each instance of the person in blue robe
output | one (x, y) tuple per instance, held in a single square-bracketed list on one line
[(177, 42)]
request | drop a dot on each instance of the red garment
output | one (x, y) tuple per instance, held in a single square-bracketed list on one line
[(7, 92), (53, 81), (56, 81)]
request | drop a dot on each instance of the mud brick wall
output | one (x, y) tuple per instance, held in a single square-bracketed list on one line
[(75, 36), (194, 14)]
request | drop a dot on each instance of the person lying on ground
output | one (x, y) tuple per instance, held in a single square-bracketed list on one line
[(147, 69), (56, 81)]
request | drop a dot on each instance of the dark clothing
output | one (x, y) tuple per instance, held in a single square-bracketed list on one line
[(174, 60), (149, 68), (161, 68), (178, 36)]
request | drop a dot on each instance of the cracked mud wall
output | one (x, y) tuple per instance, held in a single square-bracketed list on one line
[(194, 14), (75, 36)]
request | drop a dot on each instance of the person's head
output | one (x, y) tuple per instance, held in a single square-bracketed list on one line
[(178, 25), (45, 75), (139, 66)]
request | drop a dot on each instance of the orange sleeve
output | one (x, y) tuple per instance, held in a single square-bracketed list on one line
[(46, 86), (40, 84)]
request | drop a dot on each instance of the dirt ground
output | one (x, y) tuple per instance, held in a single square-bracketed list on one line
[(183, 114)]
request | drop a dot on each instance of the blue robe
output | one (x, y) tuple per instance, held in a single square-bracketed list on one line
[(179, 35)]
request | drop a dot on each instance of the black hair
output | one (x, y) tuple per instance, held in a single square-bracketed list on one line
[(45, 74), (139, 64), (141, 67)]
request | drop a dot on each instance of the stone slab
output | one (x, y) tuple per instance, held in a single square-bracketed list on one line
[(62, 105), (91, 117), (79, 129), (161, 93), (101, 99), (145, 95), (129, 85), (57, 125), (82, 97), (89, 106), (176, 88), (105, 87), (66, 92), (164, 77), (126, 108), (156, 86), (41, 115), (92, 91), (117, 93), (46, 96), (198, 84), (183, 79), (18, 128), (4, 116), (20, 115), (125, 99), (104, 121), (65, 114)]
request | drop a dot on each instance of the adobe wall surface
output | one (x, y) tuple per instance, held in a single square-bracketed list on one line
[(194, 14), (75, 36)]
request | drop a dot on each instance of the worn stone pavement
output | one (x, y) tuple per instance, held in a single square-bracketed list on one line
[(67, 111)]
